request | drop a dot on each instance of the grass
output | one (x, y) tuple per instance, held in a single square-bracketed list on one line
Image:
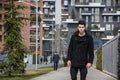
[(29, 74)]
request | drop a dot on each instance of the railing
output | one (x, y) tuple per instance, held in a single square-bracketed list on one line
[(109, 56)]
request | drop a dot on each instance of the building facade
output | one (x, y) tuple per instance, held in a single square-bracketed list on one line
[(28, 30), (101, 16), (51, 34)]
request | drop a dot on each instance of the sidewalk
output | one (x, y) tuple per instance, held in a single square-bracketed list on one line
[(63, 74)]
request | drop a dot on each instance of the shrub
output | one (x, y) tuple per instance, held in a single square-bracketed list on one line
[(99, 59), (118, 58)]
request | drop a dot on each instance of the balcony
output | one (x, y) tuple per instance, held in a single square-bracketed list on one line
[(90, 5), (69, 21), (86, 13), (111, 13), (48, 0)]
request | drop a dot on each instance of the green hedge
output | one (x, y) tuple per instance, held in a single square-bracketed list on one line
[(119, 58), (99, 59)]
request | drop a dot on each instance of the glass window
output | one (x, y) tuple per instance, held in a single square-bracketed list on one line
[(97, 19), (32, 47), (108, 2), (65, 2), (0, 38), (107, 26), (118, 19), (104, 19), (85, 9), (0, 27), (93, 11), (86, 18), (0, 6), (97, 11), (98, 1), (81, 1), (112, 26), (92, 18), (72, 2), (104, 9), (46, 11), (87, 1), (0, 16), (110, 18)]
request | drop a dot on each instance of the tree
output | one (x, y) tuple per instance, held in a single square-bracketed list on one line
[(13, 47), (95, 26), (72, 14), (115, 30)]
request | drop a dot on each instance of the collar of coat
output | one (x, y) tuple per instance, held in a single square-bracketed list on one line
[(77, 32)]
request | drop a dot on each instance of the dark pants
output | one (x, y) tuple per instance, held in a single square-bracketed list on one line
[(74, 71), (55, 65)]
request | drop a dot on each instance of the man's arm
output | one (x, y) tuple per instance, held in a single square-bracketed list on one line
[(70, 50), (91, 53)]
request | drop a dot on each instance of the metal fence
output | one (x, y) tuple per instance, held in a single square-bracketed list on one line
[(109, 56)]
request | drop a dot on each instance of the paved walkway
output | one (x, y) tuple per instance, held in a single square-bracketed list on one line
[(63, 74)]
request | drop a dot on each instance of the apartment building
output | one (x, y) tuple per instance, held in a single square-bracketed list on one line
[(28, 31), (49, 28), (101, 16)]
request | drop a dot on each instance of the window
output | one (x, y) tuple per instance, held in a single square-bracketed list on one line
[(105, 9), (81, 1), (112, 26), (98, 1), (0, 38), (108, 2), (0, 27), (86, 18), (97, 11), (72, 2), (93, 11), (46, 11), (104, 19), (97, 18), (107, 26), (87, 1), (0, 6), (0, 16), (32, 47), (65, 2), (110, 18), (33, 40), (118, 19), (85, 9), (92, 18)]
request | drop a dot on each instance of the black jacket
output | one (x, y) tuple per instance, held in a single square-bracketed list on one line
[(56, 58), (80, 50)]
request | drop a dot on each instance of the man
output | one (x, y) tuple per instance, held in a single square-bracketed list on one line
[(80, 52), (55, 60)]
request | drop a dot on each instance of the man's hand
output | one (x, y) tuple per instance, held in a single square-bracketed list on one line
[(88, 65), (69, 63)]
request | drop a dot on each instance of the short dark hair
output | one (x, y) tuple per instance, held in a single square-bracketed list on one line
[(82, 22)]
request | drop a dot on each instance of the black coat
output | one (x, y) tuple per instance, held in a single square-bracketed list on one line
[(80, 50), (56, 58)]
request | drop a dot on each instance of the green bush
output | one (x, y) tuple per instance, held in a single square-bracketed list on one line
[(99, 59), (119, 58)]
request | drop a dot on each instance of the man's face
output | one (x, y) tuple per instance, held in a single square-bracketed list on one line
[(81, 28)]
